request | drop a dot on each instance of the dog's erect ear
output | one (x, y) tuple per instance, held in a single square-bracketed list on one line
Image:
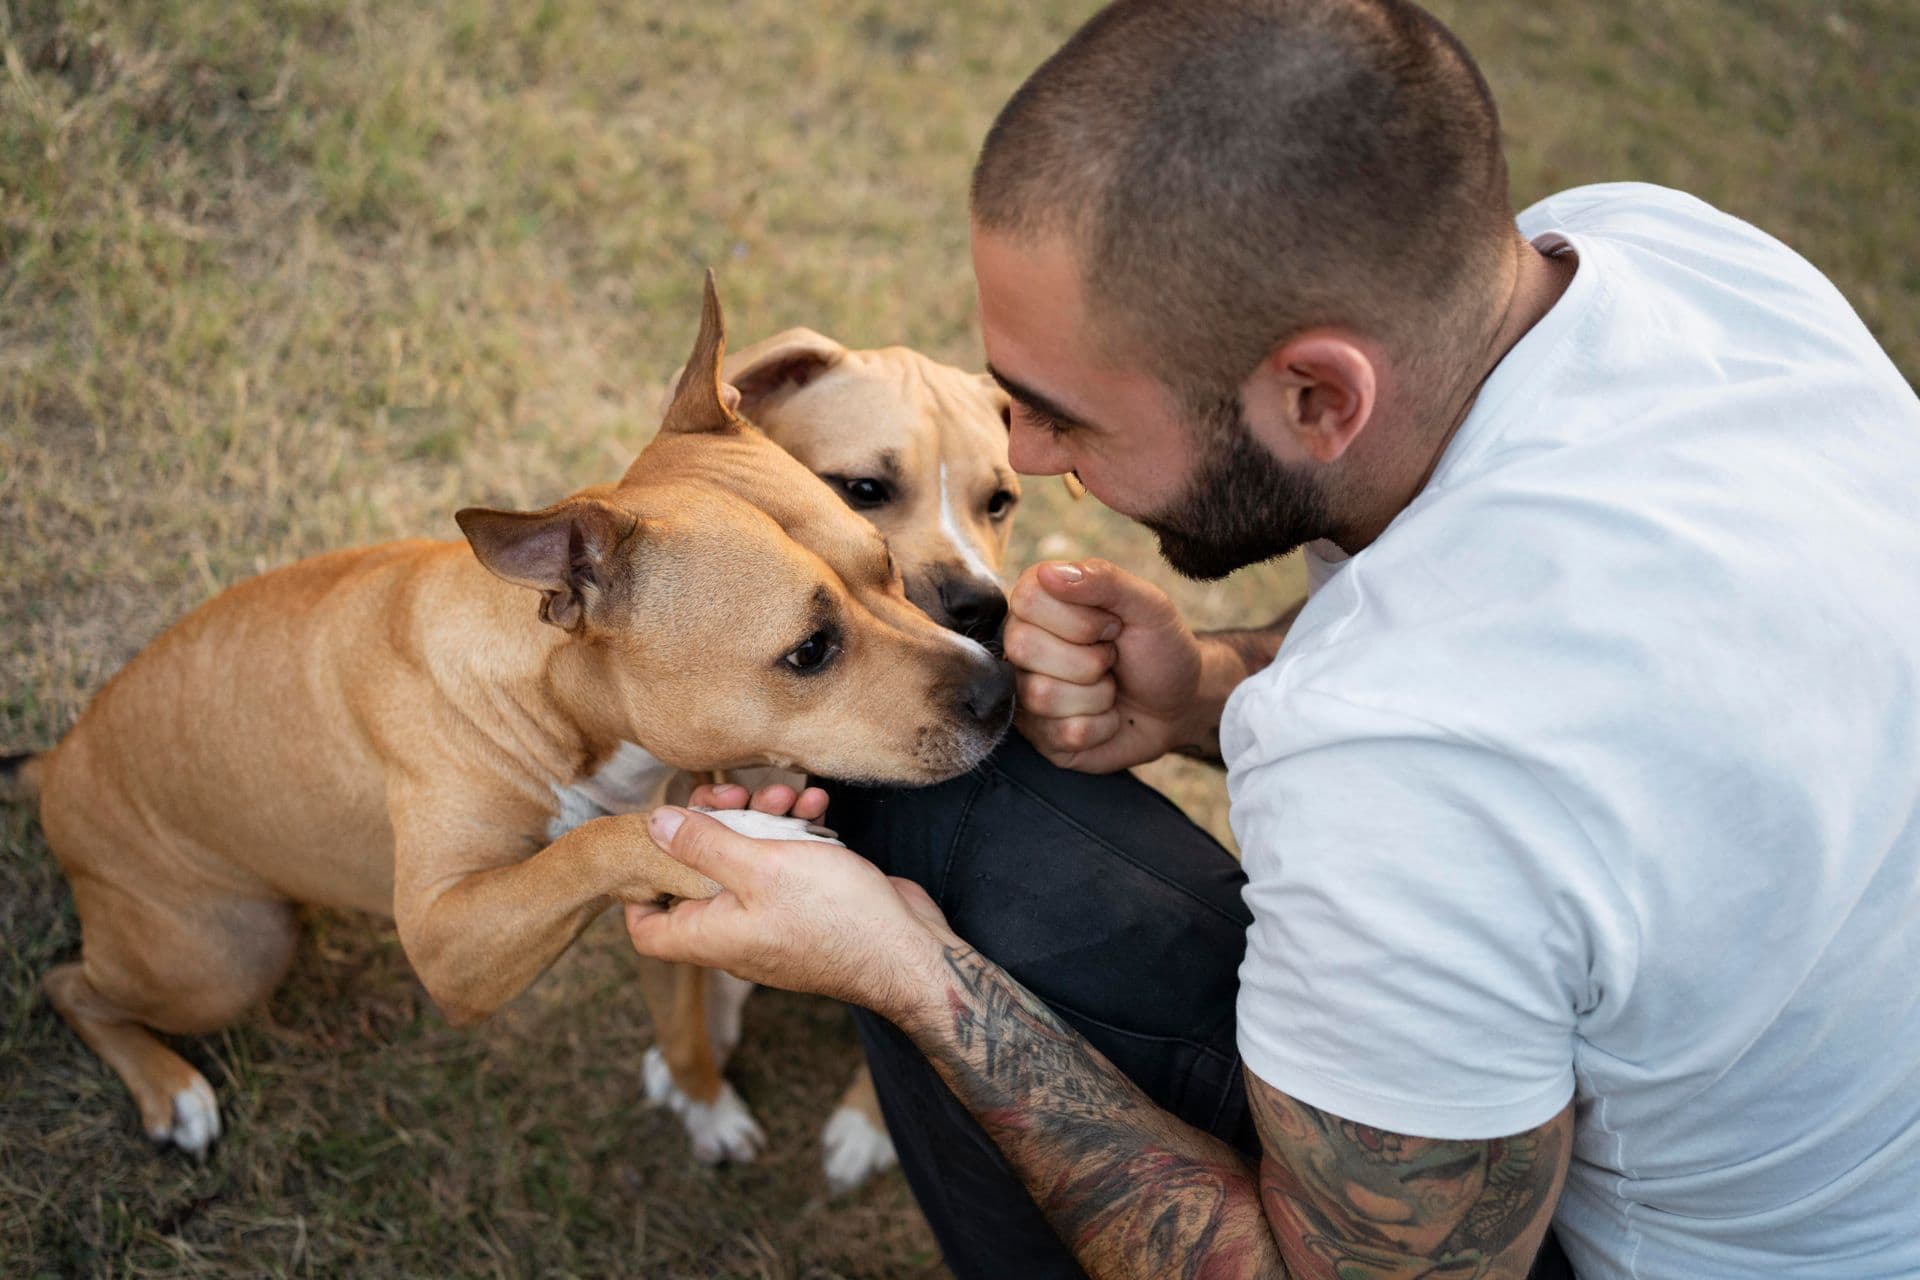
[(780, 365), (700, 402), (565, 552)]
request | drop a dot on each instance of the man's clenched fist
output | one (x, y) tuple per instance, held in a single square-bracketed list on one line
[(1110, 675)]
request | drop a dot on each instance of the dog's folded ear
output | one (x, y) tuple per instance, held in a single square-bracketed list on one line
[(700, 402), (780, 365), (567, 552)]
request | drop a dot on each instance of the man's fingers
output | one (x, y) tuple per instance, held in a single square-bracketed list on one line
[(775, 799), (812, 805), (1062, 740), (665, 933), (719, 795), (1030, 601), (715, 851), (1043, 653), (1045, 696)]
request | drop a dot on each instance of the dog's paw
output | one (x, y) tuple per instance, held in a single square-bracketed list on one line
[(723, 1129), (719, 1130), (195, 1122), (855, 1149), (770, 826)]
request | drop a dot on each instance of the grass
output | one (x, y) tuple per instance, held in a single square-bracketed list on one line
[(293, 275)]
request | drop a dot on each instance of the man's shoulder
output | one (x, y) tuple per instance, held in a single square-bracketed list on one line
[(1597, 202), (1675, 250)]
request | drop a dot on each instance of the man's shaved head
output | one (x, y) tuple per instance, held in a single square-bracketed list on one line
[(1233, 172)]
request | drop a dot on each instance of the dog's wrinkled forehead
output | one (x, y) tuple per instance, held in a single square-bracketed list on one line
[(746, 468)]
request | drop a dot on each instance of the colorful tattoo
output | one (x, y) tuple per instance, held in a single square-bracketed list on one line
[(1351, 1202)]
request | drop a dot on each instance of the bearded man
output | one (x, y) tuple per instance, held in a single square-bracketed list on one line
[(1579, 804)]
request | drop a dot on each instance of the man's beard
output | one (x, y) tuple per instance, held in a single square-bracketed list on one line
[(1242, 506)]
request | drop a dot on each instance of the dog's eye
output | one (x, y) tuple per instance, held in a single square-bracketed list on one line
[(1001, 503), (813, 653), (865, 492)]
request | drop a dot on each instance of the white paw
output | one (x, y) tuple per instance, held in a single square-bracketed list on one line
[(855, 1149), (723, 1129), (658, 1078), (196, 1119), (770, 826), (719, 1130)]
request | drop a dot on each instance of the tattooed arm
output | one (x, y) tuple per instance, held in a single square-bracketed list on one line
[(1345, 1199), (1132, 1189), (1135, 1192)]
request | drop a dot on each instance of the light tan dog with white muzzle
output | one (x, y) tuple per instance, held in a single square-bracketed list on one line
[(916, 446), (437, 731)]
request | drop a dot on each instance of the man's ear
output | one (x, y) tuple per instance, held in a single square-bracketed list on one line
[(1312, 396), (699, 402), (567, 552)]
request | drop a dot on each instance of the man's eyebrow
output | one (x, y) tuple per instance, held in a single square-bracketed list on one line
[(1033, 400)]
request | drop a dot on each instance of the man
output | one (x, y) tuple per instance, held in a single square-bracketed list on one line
[(1579, 808)]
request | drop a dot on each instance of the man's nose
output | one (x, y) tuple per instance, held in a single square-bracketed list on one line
[(1034, 452)]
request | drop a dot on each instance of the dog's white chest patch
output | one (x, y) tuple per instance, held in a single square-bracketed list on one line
[(628, 782)]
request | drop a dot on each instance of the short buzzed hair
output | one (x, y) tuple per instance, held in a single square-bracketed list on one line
[(1233, 172)]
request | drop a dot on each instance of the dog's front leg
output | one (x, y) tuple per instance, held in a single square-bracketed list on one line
[(480, 927)]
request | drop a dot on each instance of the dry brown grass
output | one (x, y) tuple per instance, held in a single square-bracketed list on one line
[(297, 274)]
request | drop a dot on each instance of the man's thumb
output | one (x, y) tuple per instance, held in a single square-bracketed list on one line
[(1100, 584), (699, 842)]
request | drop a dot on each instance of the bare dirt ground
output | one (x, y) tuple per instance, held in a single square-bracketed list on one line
[(286, 276)]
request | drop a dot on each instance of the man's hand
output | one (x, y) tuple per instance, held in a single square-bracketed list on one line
[(801, 915), (1110, 674)]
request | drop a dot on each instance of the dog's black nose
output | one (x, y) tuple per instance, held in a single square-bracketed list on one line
[(989, 696), (975, 609)]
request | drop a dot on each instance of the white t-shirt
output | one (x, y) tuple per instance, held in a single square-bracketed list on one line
[(1595, 777)]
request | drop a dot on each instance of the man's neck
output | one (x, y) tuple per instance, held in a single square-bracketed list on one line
[(1536, 284)]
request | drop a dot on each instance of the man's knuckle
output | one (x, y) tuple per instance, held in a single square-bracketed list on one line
[(1039, 694), (1090, 664), (1021, 643), (1021, 600)]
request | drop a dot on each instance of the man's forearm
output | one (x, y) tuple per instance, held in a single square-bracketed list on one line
[(1130, 1188), (1235, 655), (1257, 646)]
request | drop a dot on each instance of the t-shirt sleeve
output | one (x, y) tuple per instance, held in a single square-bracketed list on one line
[(1417, 959)]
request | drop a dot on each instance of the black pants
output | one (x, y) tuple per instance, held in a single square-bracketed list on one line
[(1100, 897)]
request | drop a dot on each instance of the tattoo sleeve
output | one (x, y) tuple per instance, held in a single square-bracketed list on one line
[(1131, 1189), (1136, 1192), (1345, 1199)]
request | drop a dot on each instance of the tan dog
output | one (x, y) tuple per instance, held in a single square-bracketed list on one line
[(434, 732), (920, 449)]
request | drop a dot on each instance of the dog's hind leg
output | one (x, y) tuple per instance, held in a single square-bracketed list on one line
[(143, 967), (682, 1070)]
